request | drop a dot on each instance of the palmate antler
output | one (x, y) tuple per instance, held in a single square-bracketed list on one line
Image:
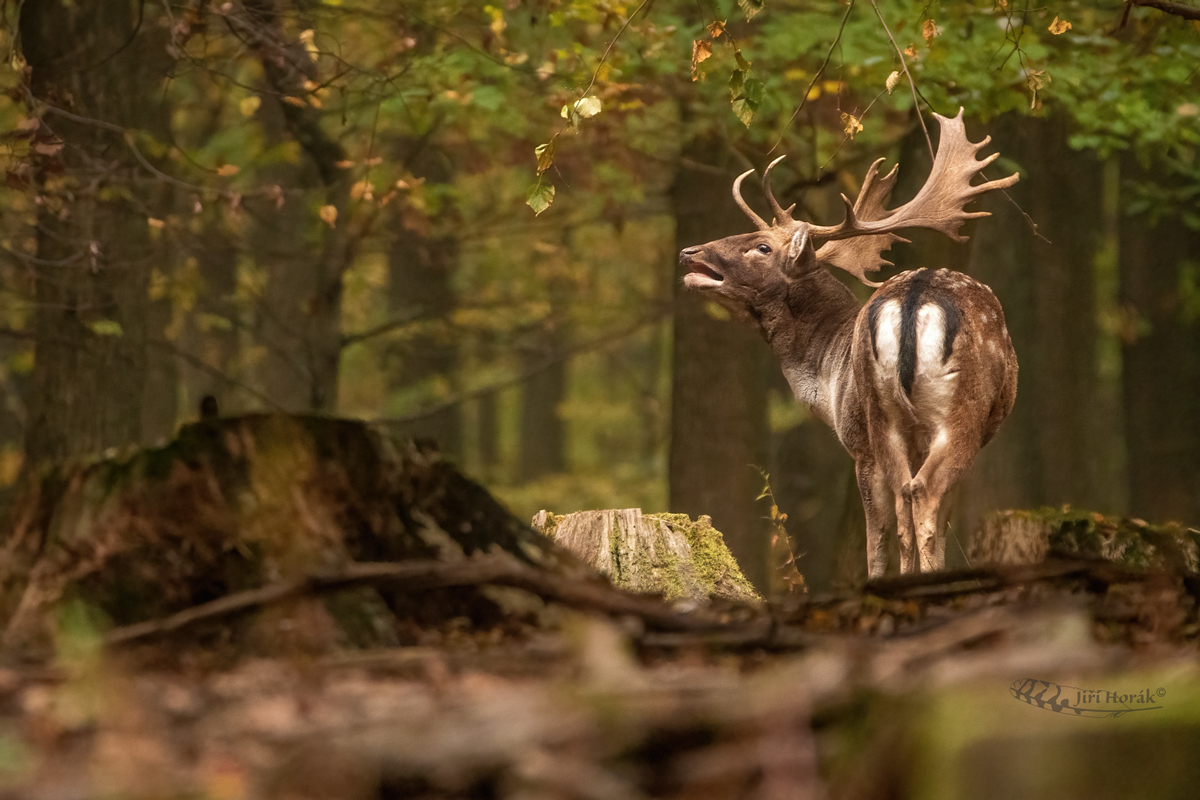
[(857, 244)]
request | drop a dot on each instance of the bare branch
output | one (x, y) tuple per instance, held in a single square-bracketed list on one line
[(911, 84), (1167, 7), (499, 569)]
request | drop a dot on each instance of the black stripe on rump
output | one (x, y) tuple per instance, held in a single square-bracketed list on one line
[(909, 309), (908, 328)]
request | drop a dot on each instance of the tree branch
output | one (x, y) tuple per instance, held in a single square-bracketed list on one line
[(499, 569), (1167, 7)]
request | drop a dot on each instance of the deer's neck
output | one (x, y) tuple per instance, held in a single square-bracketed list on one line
[(810, 332)]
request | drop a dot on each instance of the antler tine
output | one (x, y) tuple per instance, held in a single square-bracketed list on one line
[(737, 197), (782, 215), (939, 203)]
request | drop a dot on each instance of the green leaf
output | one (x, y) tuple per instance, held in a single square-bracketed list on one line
[(751, 7), (746, 95), (540, 196), (107, 327)]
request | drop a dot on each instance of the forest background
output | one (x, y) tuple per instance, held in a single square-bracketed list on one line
[(461, 220)]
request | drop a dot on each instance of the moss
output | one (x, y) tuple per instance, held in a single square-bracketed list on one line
[(716, 569), (1132, 543)]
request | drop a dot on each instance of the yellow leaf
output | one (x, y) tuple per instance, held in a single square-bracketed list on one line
[(226, 170), (588, 106), (343, 164), (249, 105), (155, 223), (306, 36), (294, 101), (716, 29), (831, 87), (1059, 26), (851, 123), (329, 215), (892, 80), (701, 51), (911, 51), (929, 30), (545, 156), (1188, 110), (814, 93)]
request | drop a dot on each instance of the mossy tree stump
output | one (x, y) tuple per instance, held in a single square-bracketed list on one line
[(667, 554), (1027, 537)]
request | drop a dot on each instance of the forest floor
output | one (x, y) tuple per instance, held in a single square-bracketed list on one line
[(508, 672)]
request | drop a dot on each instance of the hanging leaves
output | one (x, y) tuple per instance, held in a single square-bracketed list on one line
[(746, 91), (930, 30), (545, 156), (540, 196), (1059, 26), (1035, 79), (850, 124), (107, 327), (227, 170), (892, 80), (701, 51), (329, 215)]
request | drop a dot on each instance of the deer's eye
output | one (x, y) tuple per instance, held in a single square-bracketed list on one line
[(764, 249)]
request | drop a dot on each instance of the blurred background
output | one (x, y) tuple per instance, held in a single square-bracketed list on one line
[(329, 207)]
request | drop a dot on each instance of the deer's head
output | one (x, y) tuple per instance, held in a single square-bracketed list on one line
[(744, 270)]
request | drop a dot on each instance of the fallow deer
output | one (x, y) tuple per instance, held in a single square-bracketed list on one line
[(915, 382)]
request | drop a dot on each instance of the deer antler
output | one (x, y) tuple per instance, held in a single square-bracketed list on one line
[(863, 254), (939, 203), (743, 205)]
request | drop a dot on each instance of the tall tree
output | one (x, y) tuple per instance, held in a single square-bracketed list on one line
[(97, 62), (718, 391)]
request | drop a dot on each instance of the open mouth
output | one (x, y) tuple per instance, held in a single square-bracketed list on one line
[(701, 276)]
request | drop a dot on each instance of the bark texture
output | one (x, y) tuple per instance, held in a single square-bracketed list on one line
[(665, 554), (95, 250)]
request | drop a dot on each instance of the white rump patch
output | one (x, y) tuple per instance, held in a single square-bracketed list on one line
[(887, 337)]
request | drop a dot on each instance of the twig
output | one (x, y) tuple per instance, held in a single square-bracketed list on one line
[(833, 45), (912, 85), (499, 569)]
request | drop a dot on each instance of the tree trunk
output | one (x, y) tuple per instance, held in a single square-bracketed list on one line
[(95, 256), (305, 258), (1059, 444), (1161, 363), (421, 265), (718, 393)]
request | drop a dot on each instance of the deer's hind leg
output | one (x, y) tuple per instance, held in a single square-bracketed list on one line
[(877, 507), (950, 454)]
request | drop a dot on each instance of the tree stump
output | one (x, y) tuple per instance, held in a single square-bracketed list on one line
[(667, 554), (1027, 537), (234, 504)]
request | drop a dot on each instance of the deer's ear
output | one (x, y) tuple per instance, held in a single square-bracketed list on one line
[(801, 256)]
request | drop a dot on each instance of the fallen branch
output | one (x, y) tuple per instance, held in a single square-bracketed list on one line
[(420, 576)]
